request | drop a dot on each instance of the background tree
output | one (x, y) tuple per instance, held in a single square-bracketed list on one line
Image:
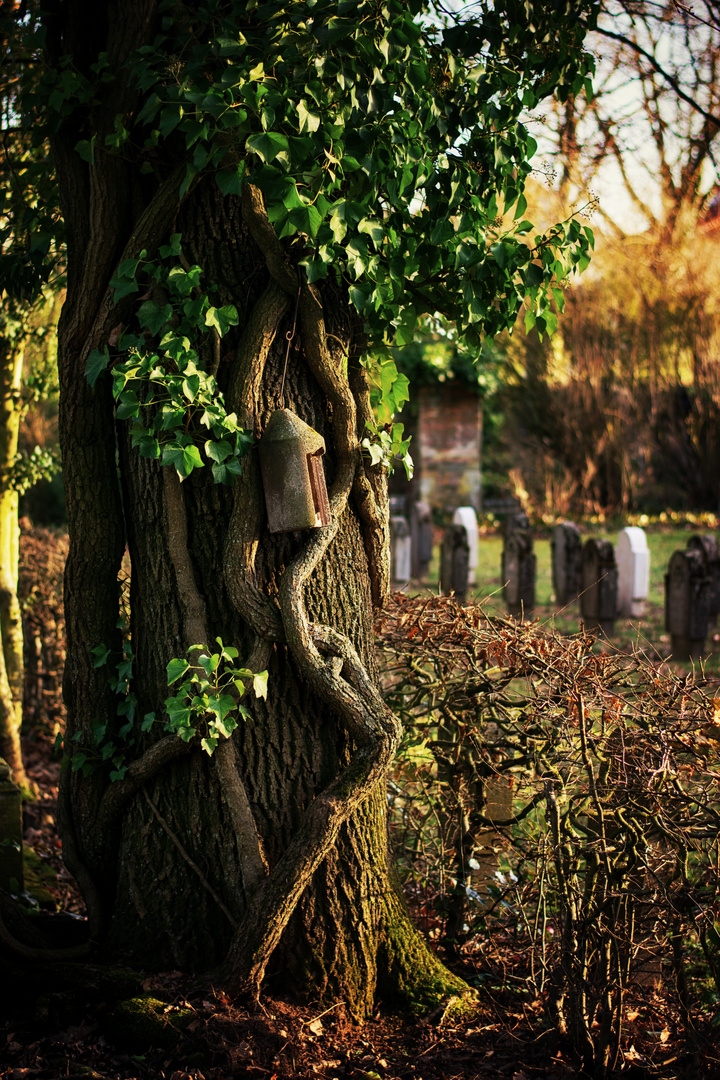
[(621, 408), (27, 252), (252, 193)]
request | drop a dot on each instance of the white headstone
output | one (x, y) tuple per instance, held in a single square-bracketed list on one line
[(466, 516), (401, 551), (633, 562)]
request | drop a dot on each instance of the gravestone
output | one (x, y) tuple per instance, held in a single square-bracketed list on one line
[(687, 604), (400, 551), (490, 843), (518, 566), (421, 531), (708, 547), (454, 560), (566, 562), (11, 860), (466, 516), (633, 562), (599, 586)]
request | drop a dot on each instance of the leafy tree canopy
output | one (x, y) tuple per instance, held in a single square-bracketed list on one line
[(389, 148)]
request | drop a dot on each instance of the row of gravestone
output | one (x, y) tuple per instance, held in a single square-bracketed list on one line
[(608, 581), (611, 582), (411, 546)]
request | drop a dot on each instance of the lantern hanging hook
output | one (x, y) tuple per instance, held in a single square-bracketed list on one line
[(289, 335)]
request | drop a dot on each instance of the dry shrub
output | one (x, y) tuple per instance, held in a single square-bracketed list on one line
[(603, 843)]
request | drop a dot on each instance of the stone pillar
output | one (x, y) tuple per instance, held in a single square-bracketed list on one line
[(400, 551), (708, 547), (11, 859), (421, 532), (687, 604), (466, 516), (598, 598), (633, 563), (454, 562), (518, 566), (566, 562)]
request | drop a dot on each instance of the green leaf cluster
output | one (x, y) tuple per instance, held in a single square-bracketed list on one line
[(386, 446), (391, 152), (110, 743), (207, 698), (175, 407), (30, 468)]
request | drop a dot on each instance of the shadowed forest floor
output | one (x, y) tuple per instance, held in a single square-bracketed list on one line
[(200, 1034)]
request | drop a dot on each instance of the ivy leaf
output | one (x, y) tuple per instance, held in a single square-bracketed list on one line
[(100, 654), (184, 458), (230, 180), (147, 445), (176, 669), (306, 219), (222, 318), (309, 119), (86, 149), (148, 721), (260, 681), (221, 706), (190, 387), (534, 276), (173, 249), (218, 451), (153, 316), (268, 144), (97, 362)]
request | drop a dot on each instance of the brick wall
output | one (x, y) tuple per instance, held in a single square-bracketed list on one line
[(449, 444)]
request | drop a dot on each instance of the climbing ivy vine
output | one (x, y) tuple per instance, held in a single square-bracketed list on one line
[(174, 404)]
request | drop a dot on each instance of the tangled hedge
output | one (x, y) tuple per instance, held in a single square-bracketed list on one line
[(570, 795)]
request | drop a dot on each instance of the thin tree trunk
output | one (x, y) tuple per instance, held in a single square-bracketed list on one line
[(11, 662)]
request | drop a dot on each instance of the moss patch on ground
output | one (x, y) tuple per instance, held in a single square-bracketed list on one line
[(142, 1022)]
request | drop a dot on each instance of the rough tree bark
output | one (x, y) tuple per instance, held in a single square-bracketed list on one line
[(271, 856)]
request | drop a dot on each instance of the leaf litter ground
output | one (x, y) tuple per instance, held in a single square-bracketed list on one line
[(59, 1034)]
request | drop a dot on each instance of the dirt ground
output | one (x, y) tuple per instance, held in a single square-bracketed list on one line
[(200, 1034)]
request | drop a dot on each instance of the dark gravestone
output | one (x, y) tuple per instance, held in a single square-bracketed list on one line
[(708, 548), (518, 566), (11, 859), (566, 562), (599, 585), (687, 604), (454, 561), (421, 531), (400, 551)]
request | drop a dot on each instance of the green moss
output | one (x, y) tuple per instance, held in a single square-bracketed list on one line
[(413, 978), (141, 1022), (459, 1010), (37, 875)]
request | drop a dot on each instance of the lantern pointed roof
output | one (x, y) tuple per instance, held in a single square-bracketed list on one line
[(284, 425)]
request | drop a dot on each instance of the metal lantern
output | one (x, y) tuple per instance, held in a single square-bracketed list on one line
[(292, 474)]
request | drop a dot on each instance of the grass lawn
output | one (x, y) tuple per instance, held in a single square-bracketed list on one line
[(648, 632)]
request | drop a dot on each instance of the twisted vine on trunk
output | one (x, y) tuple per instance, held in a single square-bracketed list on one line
[(339, 676)]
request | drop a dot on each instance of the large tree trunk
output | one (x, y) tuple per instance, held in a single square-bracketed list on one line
[(271, 856)]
